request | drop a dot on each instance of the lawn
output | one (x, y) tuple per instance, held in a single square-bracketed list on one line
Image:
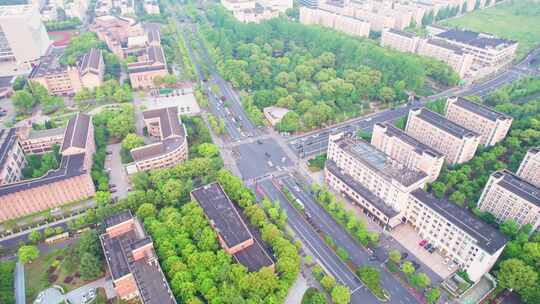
[(516, 19)]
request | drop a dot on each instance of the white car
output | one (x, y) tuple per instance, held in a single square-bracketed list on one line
[(451, 266)]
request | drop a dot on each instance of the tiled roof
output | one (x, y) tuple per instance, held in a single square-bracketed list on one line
[(76, 132)]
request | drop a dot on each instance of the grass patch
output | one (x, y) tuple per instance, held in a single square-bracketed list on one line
[(518, 20), (317, 163)]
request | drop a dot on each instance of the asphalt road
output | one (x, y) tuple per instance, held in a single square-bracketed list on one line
[(316, 245), (357, 253), (259, 158)]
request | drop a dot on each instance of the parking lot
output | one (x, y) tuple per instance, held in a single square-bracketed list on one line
[(118, 176), (408, 238)]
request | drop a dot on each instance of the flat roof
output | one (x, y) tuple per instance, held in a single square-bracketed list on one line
[(487, 237), (253, 257), (33, 134), (419, 147), (446, 45), (444, 124), (373, 199), (379, 161), (476, 39), (518, 186), (223, 215), (49, 64), (118, 218), (402, 33), (481, 109)]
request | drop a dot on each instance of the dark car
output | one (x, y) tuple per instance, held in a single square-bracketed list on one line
[(404, 255), (428, 246), (415, 265), (432, 249)]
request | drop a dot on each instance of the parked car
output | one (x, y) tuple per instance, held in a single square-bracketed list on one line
[(451, 266), (416, 265), (428, 246), (404, 255), (422, 243), (432, 249)]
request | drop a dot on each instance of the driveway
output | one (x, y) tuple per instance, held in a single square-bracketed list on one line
[(76, 295), (20, 296), (118, 175)]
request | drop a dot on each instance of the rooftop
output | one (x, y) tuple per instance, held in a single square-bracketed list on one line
[(444, 124), (487, 237), (12, 10), (49, 64), (33, 134), (481, 109), (76, 132), (90, 62), (393, 131), (118, 218), (169, 122), (379, 161), (518, 186), (156, 149), (475, 39), (363, 191), (223, 216), (402, 33), (446, 45)]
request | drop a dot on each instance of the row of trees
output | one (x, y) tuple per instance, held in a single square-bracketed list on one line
[(61, 25), (340, 294), (33, 94), (7, 277), (321, 75), (109, 91)]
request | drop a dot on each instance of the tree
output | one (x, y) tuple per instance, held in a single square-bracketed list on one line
[(515, 275), (28, 253), (35, 236), (146, 210), (509, 227), (370, 276), (89, 243), (387, 94), (132, 141), (22, 101), (90, 267), (458, 198), (328, 282), (433, 295), (394, 256), (289, 123), (208, 150), (439, 189), (407, 268), (102, 198), (341, 294), (420, 280)]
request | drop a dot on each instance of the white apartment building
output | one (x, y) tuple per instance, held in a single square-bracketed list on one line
[(507, 196), (346, 24), (400, 40), (452, 55), (529, 169), (23, 38), (490, 124), (467, 240), (372, 179), (407, 150), (256, 11), (457, 143)]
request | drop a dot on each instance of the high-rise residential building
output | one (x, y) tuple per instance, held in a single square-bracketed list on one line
[(132, 261), (373, 180), (23, 38), (457, 143), (346, 24), (407, 150), (529, 169), (458, 234), (490, 124), (172, 147), (452, 55), (508, 196)]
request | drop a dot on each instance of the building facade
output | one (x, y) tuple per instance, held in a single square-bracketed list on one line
[(468, 241), (381, 177), (347, 24), (458, 144), (508, 196), (23, 38), (69, 183), (172, 148), (407, 150), (132, 261), (150, 63), (529, 169), (399, 40), (42, 141), (490, 124), (454, 56), (12, 159)]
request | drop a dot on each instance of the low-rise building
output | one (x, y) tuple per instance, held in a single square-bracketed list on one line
[(529, 169), (40, 141), (132, 261), (507, 196), (115, 31), (407, 150), (490, 124), (69, 183), (377, 175), (61, 79), (172, 147), (468, 241), (150, 64), (457, 143), (233, 234), (347, 24)]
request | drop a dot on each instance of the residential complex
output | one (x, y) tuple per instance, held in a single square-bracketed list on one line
[(529, 169), (61, 79), (508, 196), (123, 36), (346, 24), (490, 124), (471, 55), (150, 63), (407, 150), (256, 10), (23, 38), (457, 143), (172, 147), (467, 240), (373, 180), (69, 183), (233, 234), (132, 262)]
